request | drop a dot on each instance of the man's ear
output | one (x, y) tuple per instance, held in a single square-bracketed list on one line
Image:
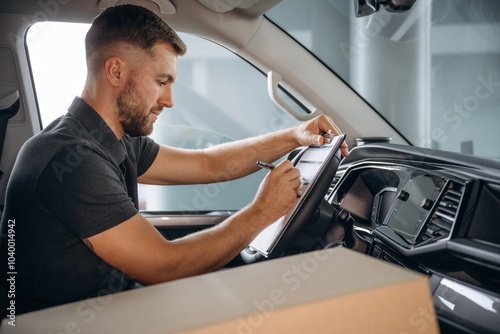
[(115, 71)]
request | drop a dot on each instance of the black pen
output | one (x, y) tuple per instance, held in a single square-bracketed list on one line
[(265, 165)]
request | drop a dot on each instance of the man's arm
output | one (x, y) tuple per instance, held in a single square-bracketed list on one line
[(235, 159), (140, 251)]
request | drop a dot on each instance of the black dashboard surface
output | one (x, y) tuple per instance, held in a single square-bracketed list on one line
[(434, 212)]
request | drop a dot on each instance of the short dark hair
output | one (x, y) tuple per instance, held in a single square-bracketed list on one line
[(130, 25)]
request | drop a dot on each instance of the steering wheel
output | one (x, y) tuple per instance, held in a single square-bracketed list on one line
[(306, 208)]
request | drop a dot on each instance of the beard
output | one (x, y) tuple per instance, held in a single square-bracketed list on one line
[(131, 108)]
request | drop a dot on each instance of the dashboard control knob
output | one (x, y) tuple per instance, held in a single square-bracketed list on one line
[(404, 195), (427, 204)]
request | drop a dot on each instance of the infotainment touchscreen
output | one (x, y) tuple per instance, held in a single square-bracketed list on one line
[(413, 205), (311, 162)]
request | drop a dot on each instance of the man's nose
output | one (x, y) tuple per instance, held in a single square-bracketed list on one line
[(167, 98)]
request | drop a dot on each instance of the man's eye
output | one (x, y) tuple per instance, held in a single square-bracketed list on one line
[(162, 83)]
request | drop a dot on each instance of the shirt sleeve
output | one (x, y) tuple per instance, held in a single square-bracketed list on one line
[(84, 190), (146, 150)]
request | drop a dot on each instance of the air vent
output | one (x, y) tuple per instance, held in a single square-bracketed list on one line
[(445, 213)]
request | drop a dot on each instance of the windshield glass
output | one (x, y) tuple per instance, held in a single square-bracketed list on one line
[(433, 72)]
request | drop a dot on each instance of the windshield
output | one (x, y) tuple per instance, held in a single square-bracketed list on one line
[(433, 73)]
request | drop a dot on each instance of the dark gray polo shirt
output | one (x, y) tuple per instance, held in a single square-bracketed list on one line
[(73, 180)]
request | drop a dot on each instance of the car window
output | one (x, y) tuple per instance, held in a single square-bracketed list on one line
[(433, 72), (218, 97)]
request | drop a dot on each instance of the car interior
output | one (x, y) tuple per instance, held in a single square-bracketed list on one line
[(414, 85)]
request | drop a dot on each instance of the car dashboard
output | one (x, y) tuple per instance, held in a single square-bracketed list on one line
[(433, 212)]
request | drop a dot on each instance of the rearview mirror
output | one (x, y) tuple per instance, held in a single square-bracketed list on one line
[(368, 7)]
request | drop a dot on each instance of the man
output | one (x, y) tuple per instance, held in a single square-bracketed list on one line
[(72, 196)]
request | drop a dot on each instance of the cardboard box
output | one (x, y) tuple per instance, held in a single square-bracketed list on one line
[(329, 291)]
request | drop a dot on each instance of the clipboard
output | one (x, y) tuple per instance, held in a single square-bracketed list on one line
[(312, 162)]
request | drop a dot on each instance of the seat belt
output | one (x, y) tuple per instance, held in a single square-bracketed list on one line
[(9, 106)]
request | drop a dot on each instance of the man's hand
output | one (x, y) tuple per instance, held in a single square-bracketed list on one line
[(278, 191), (311, 132)]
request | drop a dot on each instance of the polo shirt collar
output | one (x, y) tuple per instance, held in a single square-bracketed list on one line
[(100, 132)]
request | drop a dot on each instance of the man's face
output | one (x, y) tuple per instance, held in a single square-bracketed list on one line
[(148, 92)]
